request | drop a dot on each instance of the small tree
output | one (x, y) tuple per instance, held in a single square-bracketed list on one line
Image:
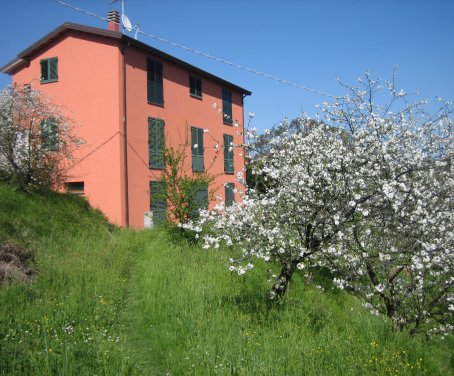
[(36, 139), (366, 191), (181, 186)]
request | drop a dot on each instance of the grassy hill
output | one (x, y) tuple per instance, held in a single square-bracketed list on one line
[(107, 301)]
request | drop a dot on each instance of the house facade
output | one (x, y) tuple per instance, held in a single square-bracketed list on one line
[(130, 101)]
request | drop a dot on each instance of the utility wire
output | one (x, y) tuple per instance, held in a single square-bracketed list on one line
[(79, 10), (247, 69)]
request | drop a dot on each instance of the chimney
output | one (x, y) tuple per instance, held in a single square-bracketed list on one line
[(113, 20)]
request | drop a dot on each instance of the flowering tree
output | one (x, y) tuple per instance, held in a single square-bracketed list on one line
[(366, 190), (36, 139)]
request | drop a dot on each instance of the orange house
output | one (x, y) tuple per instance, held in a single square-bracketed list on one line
[(125, 96)]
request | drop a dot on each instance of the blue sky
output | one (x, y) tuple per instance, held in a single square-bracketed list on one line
[(307, 42)]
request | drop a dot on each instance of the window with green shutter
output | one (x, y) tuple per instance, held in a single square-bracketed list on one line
[(227, 106), (156, 143), (195, 87), (228, 154), (201, 200), (158, 204), (49, 70), (49, 134), (197, 149), (154, 82), (229, 194)]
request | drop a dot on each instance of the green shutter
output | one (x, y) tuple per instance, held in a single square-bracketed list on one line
[(150, 81), (200, 200), (197, 152), (53, 69), (227, 106), (202, 197), (195, 86), (49, 134), (159, 84), (156, 143), (155, 89), (228, 154), (158, 203), (192, 89), (44, 71), (229, 194), (198, 87)]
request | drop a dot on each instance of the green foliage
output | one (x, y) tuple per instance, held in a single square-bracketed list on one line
[(182, 186)]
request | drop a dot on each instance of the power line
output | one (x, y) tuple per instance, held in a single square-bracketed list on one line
[(79, 10), (247, 69)]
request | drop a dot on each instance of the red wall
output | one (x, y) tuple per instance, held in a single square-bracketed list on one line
[(88, 89)]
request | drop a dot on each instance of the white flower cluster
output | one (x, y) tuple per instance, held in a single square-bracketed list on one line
[(366, 190)]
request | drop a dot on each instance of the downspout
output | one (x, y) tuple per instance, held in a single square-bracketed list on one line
[(244, 131), (125, 136)]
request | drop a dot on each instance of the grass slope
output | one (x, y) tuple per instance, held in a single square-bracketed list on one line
[(120, 302), (65, 322), (189, 316)]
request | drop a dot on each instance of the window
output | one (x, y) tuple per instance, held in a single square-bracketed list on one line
[(49, 70), (197, 149), (229, 194), (228, 154), (200, 201), (154, 82), (227, 106), (158, 204), (195, 87), (76, 187), (49, 134), (156, 143)]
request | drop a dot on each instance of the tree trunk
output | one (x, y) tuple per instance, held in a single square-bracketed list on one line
[(280, 286)]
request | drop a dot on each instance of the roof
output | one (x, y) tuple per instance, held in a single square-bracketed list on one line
[(27, 54)]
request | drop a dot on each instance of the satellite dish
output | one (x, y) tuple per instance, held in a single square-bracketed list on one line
[(126, 23)]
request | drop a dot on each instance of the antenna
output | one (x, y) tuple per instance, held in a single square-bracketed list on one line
[(137, 27), (122, 5), (125, 21)]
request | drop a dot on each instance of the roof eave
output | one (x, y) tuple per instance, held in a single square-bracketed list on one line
[(191, 67), (10, 67), (26, 54)]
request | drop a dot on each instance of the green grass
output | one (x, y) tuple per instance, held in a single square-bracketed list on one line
[(189, 316), (120, 302), (65, 322)]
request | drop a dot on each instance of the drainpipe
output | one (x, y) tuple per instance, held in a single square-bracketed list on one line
[(244, 130), (125, 136)]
